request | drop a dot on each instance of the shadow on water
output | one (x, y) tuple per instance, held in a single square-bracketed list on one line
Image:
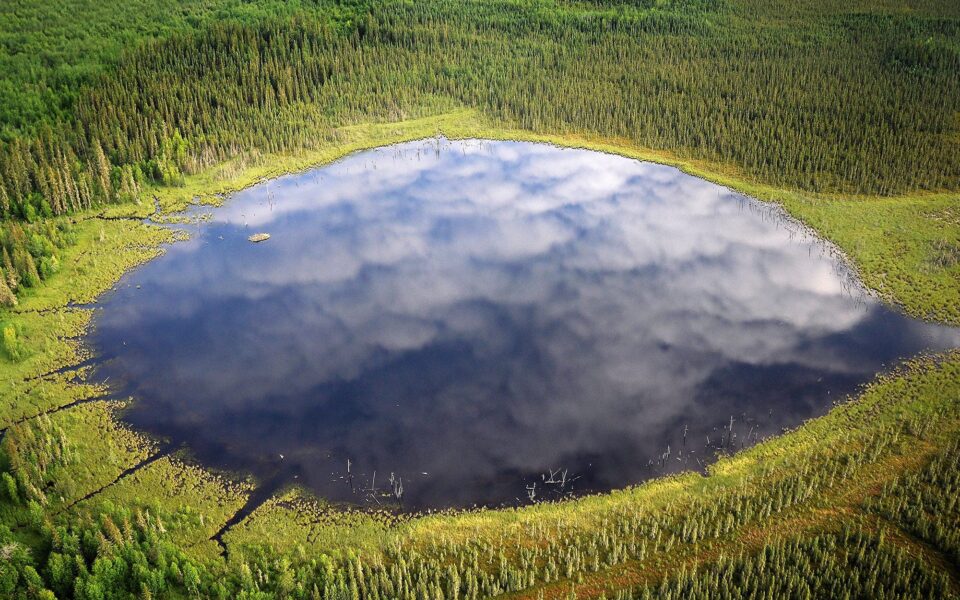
[(489, 323)]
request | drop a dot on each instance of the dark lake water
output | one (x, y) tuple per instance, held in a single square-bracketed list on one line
[(489, 322)]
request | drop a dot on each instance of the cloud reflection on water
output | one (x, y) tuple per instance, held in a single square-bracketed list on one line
[(485, 312)]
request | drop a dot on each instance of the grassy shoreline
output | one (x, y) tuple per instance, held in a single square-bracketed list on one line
[(105, 464)]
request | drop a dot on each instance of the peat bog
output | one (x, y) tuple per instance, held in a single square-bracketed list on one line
[(490, 323)]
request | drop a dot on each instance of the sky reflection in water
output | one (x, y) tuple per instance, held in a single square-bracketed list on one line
[(471, 316)]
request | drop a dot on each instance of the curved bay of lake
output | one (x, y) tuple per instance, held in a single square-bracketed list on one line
[(489, 322)]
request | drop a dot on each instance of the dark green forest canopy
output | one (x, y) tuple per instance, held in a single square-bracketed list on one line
[(48, 50), (848, 99)]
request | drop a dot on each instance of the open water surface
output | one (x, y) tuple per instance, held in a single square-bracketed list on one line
[(489, 323)]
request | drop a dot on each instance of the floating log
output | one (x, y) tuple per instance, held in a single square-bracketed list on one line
[(259, 237)]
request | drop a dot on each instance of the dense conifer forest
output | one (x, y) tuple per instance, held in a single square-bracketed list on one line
[(107, 108)]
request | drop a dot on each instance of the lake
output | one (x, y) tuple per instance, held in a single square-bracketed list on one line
[(456, 323)]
